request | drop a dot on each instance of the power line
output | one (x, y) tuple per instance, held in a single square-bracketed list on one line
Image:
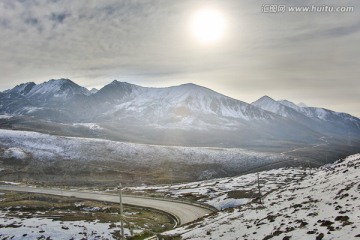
[(121, 213)]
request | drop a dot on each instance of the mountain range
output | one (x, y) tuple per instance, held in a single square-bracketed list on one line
[(140, 133), (187, 114)]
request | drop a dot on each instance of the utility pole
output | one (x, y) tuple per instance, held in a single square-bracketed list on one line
[(121, 213), (258, 180), (171, 177)]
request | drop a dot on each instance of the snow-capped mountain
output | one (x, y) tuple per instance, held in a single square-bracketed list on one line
[(318, 119), (22, 89), (321, 113), (116, 92), (45, 100), (180, 106), (184, 114), (269, 104), (59, 89)]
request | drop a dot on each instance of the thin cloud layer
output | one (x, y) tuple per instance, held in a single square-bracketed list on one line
[(308, 57)]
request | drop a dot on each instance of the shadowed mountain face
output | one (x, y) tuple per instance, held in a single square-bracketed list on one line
[(188, 115)]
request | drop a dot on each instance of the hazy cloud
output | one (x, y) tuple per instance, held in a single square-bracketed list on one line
[(308, 57), (59, 17)]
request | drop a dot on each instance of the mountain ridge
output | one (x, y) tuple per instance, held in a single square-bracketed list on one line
[(187, 114)]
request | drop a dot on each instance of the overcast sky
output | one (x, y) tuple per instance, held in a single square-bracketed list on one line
[(308, 57)]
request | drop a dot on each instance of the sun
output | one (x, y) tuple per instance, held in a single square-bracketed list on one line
[(208, 26)]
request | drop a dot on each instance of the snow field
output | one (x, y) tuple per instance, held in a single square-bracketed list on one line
[(324, 205)]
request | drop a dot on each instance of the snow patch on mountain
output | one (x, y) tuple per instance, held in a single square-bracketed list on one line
[(92, 126), (6, 116), (289, 104), (223, 193), (94, 90), (15, 153)]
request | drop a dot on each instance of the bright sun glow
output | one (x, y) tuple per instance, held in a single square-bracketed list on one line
[(208, 26)]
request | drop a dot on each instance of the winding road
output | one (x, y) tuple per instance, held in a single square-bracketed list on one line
[(183, 212)]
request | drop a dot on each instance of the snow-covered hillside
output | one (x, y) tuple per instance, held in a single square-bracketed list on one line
[(226, 192), (296, 204), (59, 155), (324, 205), (46, 147)]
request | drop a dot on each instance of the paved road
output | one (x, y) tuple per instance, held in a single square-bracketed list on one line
[(183, 212)]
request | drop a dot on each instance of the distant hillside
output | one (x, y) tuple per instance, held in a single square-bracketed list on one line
[(186, 115), (54, 160)]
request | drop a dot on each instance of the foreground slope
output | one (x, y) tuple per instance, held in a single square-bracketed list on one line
[(324, 205)]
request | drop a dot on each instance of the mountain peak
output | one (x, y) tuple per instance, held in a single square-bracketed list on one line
[(189, 85), (122, 84), (116, 90), (266, 97), (114, 82), (21, 89), (191, 89), (289, 104), (301, 104), (271, 105), (264, 100), (93, 90), (58, 88), (61, 80)]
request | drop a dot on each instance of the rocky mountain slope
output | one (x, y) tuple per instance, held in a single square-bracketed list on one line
[(188, 115), (318, 119), (323, 205)]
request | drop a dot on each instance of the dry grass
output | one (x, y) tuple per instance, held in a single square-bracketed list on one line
[(70, 209)]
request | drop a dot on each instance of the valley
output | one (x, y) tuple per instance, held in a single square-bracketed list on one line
[(179, 120), (200, 156)]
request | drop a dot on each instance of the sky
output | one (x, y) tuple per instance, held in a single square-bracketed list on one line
[(310, 57)]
